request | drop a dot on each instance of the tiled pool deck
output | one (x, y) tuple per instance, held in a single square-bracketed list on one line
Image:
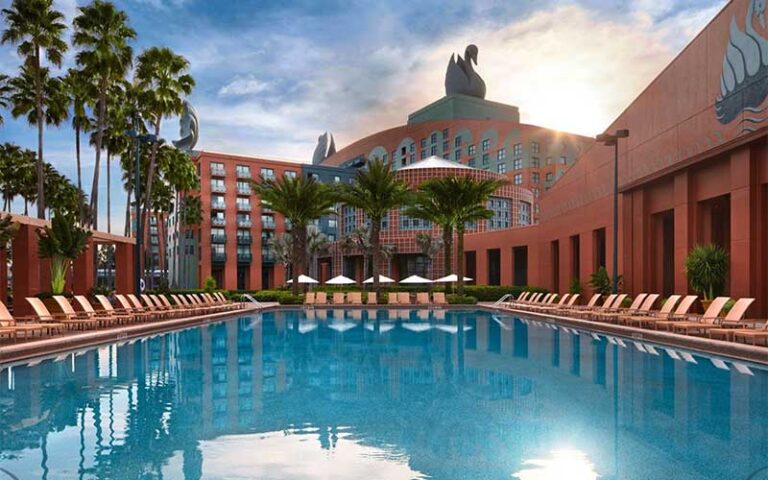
[(46, 347)]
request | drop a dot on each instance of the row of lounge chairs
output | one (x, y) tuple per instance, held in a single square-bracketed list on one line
[(356, 298), (674, 315), (104, 313)]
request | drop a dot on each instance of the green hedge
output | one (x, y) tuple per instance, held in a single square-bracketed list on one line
[(461, 299)]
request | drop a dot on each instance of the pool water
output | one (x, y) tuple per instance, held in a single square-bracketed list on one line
[(383, 395)]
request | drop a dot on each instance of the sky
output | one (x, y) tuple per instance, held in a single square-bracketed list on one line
[(274, 75)]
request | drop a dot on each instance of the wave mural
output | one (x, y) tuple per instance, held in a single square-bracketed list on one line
[(744, 80)]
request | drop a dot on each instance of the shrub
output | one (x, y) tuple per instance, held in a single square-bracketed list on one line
[(290, 299), (602, 283), (461, 299), (707, 270), (62, 243), (575, 287), (210, 284)]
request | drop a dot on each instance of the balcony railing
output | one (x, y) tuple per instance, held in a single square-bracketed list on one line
[(218, 257), (244, 190), (243, 174), (244, 223), (269, 225), (243, 207), (218, 188), (218, 205), (218, 238), (218, 222), (267, 256), (217, 171), (244, 256), (244, 239)]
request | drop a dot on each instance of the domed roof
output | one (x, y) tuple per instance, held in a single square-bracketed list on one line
[(435, 162)]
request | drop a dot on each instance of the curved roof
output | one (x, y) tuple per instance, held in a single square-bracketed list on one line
[(435, 162)]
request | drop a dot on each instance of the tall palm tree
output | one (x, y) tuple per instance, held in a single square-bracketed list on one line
[(38, 29), (376, 190), (79, 90), (102, 32), (300, 200), (436, 203), (429, 246), (163, 82), (5, 94)]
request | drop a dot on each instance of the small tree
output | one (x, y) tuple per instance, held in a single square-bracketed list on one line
[(575, 287), (210, 284), (707, 270), (600, 282), (62, 243)]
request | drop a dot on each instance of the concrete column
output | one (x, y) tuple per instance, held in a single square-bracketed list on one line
[(587, 247), (124, 267), (84, 270), (4, 276), (26, 278), (566, 263), (684, 228), (742, 225), (481, 262)]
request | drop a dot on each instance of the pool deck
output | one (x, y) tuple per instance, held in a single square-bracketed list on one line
[(740, 351), (51, 347)]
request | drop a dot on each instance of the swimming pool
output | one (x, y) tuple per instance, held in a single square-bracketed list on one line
[(383, 394)]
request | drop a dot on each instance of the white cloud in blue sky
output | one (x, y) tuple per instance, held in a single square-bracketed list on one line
[(271, 76)]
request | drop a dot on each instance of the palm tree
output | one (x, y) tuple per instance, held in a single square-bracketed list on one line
[(62, 243), (376, 190), (346, 245), (435, 202), (163, 81), (102, 31), (78, 87), (37, 28), (5, 93), (317, 243), (429, 247), (300, 200)]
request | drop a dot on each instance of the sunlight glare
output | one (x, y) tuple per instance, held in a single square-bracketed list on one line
[(571, 464)]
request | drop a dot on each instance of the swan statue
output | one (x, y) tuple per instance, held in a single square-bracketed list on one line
[(744, 80), (461, 77), (324, 149), (189, 128)]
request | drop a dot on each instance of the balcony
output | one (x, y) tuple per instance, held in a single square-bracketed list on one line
[(243, 207), (267, 256), (216, 188), (217, 171), (244, 223), (244, 257), (268, 224), (244, 190), (218, 257), (244, 239), (218, 238), (218, 205), (243, 174), (218, 222)]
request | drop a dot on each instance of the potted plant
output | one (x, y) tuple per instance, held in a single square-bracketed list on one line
[(706, 268), (61, 243)]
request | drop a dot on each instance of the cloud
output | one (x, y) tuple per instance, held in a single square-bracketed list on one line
[(244, 85)]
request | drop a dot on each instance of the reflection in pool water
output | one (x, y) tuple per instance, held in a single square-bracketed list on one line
[(377, 394)]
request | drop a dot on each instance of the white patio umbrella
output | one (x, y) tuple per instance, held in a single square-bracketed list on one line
[(382, 279), (340, 280), (304, 279), (452, 278), (415, 279), (417, 327)]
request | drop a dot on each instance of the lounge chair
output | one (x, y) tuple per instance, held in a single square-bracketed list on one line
[(706, 321), (643, 310), (392, 298), (355, 298), (404, 298), (528, 300), (553, 306), (111, 316), (729, 325), (372, 299), (422, 298), (139, 313), (547, 303), (178, 307), (565, 306), (752, 334), (575, 308), (60, 320), (107, 306), (642, 319), (438, 298), (309, 298), (11, 326), (338, 298), (155, 305), (321, 298), (635, 307), (608, 303), (81, 319), (681, 313)]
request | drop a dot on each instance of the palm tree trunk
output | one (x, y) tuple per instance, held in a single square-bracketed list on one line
[(99, 139), (460, 259), (127, 227), (79, 172), (376, 247), (297, 256), (151, 172), (448, 249), (109, 194), (39, 109)]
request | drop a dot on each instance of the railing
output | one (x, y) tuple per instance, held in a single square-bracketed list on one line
[(268, 257), (244, 239), (218, 238), (244, 223), (244, 190), (268, 224), (217, 171), (503, 299), (219, 205), (244, 257), (243, 174), (244, 207), (218, 188), (218, 222), (248, 297), (218, 257)]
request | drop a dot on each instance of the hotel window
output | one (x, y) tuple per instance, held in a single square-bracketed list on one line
[(534, 147), (402, 151), (500, 209), (268, 173), (517, 164), (336, 179), (349, 215), (290, 174), (423, 143), (243, 204), (412, 157), (501, 154), (412, 147), (268, 222), (457, 155), (535, 193), (471, 162), (524, 213), (217, 249), (457, 142), (535, 162), (384, 222), (433, 138), (433, 150), (333, 223), (243, 171), (313, 176), (548, 161), (385, 158), (550, 176), (445, 133), (446, 155), (217, 185), (423, 154), (243, 219), (563, 160), (535, 177), (243, 188), (217, 201), (217, 168), (486, 159), (518, 179), (517, 149), (501, 168), (408, 223), (486, 145), (446, 146), (471, 150)]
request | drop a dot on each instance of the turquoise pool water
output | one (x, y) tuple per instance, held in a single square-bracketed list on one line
[(383, 395)]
